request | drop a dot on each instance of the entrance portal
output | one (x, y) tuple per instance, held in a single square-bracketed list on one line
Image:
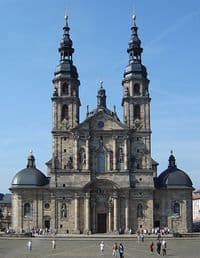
[(47, 224), (101, 223), (157, 223)]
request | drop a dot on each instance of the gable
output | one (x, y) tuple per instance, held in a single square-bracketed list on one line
[(102, 121)]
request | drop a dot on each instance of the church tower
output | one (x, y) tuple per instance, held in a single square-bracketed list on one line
[(136, 101), (66, 102), (66, 105)]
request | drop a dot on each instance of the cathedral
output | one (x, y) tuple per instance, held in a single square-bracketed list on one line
[(101, 177)]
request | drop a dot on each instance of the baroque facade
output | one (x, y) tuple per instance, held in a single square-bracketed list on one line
[(101, 177)]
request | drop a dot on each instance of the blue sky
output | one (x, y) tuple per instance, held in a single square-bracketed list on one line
[(100, 30)]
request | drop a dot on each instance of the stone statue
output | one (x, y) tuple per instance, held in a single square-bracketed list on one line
[(70, 163)]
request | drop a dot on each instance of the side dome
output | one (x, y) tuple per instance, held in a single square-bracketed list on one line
[(30, 176), (173, 176)]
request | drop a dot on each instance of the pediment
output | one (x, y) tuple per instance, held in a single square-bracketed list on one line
[(102, 121)]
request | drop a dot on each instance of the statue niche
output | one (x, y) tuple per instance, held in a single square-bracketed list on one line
[(82, 158), (120, 158), (70, 163)]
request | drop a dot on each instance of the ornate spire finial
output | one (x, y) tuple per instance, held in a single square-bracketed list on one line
[(134, 19), (172, 160), (101, 84), (66, 16)]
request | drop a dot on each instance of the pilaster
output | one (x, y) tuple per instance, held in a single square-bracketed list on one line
[(87, 213), (87, 154), (114, 153), (76, 214), (115, 214)]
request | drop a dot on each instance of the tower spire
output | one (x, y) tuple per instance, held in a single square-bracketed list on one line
[(66, 50), (134, 50)]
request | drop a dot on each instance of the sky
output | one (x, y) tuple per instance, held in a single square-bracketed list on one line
[(30, 35)]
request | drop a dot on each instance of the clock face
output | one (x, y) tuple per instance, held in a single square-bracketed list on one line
[(100, 124)]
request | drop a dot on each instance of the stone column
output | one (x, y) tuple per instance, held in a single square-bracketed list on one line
[(35, 212), (76, 153), (87, 154), (115, 229), (114, 154), (125, 154), (40, 213), (131, 114), (87, 213), (109, 218), (126, 215), (108, 162), (93, 216), (76, 214)]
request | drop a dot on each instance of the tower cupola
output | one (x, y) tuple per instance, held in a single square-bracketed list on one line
[(66, 50), (135, 67), (134, 50), (65, 68)]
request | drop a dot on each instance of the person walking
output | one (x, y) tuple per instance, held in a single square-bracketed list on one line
[(53, 244), (114, 249), (29, 245), (101, 246), (138, 237), (152, 247), (158, 247), (164, 247), (121, 250)]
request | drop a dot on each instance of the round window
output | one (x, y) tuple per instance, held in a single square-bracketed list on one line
[(46, 205), (100, 124)]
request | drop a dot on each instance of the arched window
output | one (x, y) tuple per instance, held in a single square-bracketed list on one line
[(65, 89), (27, 210), (100, 162), (140, 212), (63, 211), (137, 111), (65, 112), (176, 209), (136, 89)]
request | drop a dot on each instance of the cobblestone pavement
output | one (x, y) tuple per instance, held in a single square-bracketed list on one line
[(80, 248)]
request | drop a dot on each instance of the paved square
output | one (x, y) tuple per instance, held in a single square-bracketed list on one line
[(80, 248)]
